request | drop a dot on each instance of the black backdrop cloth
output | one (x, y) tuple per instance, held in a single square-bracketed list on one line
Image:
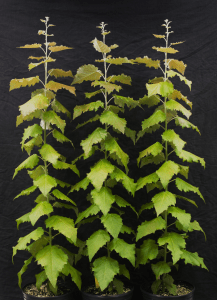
[(132, 24)]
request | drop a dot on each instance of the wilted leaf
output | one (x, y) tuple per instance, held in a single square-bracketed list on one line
[(186, 187), (109, 87), (161, 88), (178, 94), (52, 118), (172, 137), (176, 64), (110, 118), (27, 192), (185, 124), (190, 157), (120, 78), (174, 105), (31, 46), (122, 101)]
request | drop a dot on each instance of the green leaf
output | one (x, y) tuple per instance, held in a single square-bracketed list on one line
[(124, 249), (113, 223), (196, 226), (186, 187), (90, 95), (23, 241), (40, 278), (96, 241), (193, 259), (168, 282), (147, 251), (148, 61), (51, 117), (52, 259), (120, 78), (55, 86), (100, 46), (183, 217), (62, 165), (152, 160), (58, 107), (154, 150), (49, 154), (119, 285), (23, 270), (105, 268), (80, 109), (103, 199), (110, 118), (185, 124), (60, 137), (83, 184), (174, 105), (160, 268), (17, 83), (75, 274), (28, 191), (60, 73), (99, 173), (109, 87), (62, 183), (123, 203), (149, 227), (42, 208), (30, 163), (127, 182), (190, 157), (175, 243), (122, 101), (184, 170), (161, 88), (149, 205), (45, 183), (95, 137), (186, 199), (36, 103), (61, 196), (126, 229), (38, 141), (155, 286), (178, 95), (167, 171), (172, 137), (156, 118), (64, 225), (24, 218), (87, 72), (131, 134), (96, 118), (33, 131), (147, 179), (162, 201), (90, 211), (36, 246), (171, 73)]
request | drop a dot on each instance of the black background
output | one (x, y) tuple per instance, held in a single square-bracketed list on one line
[(131, 24)]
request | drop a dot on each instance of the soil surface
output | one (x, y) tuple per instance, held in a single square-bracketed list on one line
[(31, 289), (96, 291), (182, 289)]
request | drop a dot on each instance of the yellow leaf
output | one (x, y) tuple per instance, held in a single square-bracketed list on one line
[(114, 46), (17, 83), (178, 95), (31, 46), (41, 32), (34, 57), (148, 61), (178, 65), (100, 46), (52, 44), (177, 43), (60, 73), (55, 86), (166, 50), (33, 65), (58, 48), (96, 283), (159, 36)]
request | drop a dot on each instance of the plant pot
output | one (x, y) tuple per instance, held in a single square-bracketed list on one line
[(124, 296), (67, 296), (149, 296)]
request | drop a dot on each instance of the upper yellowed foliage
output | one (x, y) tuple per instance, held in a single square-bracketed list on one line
[(178, 95), (38, 58), (55, 86), (31, 46), (159, 36), (117, 61), (51, 44), (17, 83), (113, 46), (58, 48), (178, 65), (165, 50), (33, 65), (60, 73), (177, 43), (100, 46), (41, 32), (148, 61)]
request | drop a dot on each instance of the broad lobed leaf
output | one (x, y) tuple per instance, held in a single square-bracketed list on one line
[(149, 227), (38, 102), (96, 241), (162, 201), (124, 249), (41, 209), (103, 199), (86, 73), (29, 163)]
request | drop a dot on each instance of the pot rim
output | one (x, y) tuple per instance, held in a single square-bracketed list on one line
[(168, 297), (113, 296)]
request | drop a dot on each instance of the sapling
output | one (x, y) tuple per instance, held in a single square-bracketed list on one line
[(108, 171), (174, 222), (55, 260)]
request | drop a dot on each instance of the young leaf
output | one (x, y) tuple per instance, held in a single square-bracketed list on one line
[(161, 88), (96, 241), (193, 259), (75, 274), (171, 73), (17, 83), (105, 268), (147, 179), (185, 124), (24, 218), (174, 105), (45, 183), (42, 208), (154, 150), (118, 61), (167, 171), (160, 268), (122, 101), (109, 87), (29, 163), (149, 227), (31, 46), (110, 118), (49, 154), (55, 86), (35, 103), (183, 217), (100, 46), (186, 187), (120, 78), (178, 65), (26, 192), (113, 223), (147, 251), (175, 243), (103, 199), (162, 201), (58, 48), (90, 211), (52, 118), (189, 157), (60, 73), (80, 109), (86, 73), (165, 50), (172, 137), (148, 62), (23, 270), (124, 249), (95, 137), (150, 101), (61, 196), (127, 182), (157, 117)]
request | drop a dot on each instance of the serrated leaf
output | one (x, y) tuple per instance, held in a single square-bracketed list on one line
[(152, 160), (124, 271), (123, 203), (149, 227), (31, 131), (186, 199), (23, 270), (161, 88), (196, 226), (148, 62), (117, 61), (75, 274), (42, 208), (89, 95), (58, 48), (176, 64), (168, 282), (45, 183), (60, 137), (36, 57), (49, 154), (49, 94), (147, 251), (184, 170), (165, 50), (86, 73), (122, 101), (95, 137), (52, 118), (183, 217), (62, 183), (40, 278), (120, 78), (96, 241), (52, 259), (23, 241), (58, 107), (29, 163), (190, 157), (127, 182), (31, 46), (186, 187), (160, 268), (152, 186), (24, 218), (167, 171), (26, 192), (61, 196), (103, 199), (60, 73), (55, 86), (172, 137), (39, 244), (149, 205), (162, 201), (193, 259), (100, 46), (157, 117), (109, 87), (154, 150), (159, 36), (175, 243), (17, 83), (110, 118), (96, 118), (34, 65), (90, 211), (83, 184), (36, 103), (38, 141), (174, 105), (124, 249), (80, 109), (150, 101), (185, 124), (131, 134), (63, 166), (126, 229), (147, 179), (36, 173), (171, 73), (113, 223), (64, 225)]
